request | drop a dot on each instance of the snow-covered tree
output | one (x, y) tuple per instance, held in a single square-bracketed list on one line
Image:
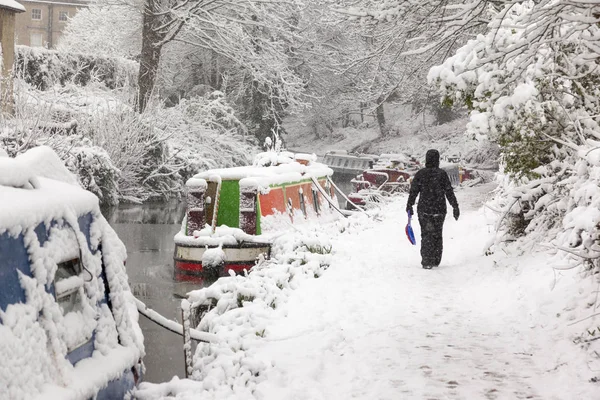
[(531, 83), (401, 40), (249, 34), (116, 33), (246, 44)]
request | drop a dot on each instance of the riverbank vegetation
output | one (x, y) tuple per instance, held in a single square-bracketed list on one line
[(84, 108)]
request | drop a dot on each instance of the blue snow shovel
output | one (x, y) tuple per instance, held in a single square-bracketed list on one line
[(409, 231)]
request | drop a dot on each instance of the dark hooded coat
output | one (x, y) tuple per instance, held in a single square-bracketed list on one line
[(433, 187)]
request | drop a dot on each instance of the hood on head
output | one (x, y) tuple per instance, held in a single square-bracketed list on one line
[(432, 159)]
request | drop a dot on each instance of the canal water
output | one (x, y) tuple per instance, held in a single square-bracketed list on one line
[(147, 231)]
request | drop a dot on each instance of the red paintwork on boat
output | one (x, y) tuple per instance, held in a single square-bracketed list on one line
[(194, 269), (272, 202)]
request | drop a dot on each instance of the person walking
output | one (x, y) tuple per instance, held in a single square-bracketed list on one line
[(433, 187)]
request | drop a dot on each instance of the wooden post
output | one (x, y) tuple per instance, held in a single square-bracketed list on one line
[(187, 342)]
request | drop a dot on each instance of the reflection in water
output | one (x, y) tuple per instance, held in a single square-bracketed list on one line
[(148, 213), (147, 231), (343, 182)]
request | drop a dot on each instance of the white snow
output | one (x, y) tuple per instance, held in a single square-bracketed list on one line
[(36, 186), (214, 257), (28, 207), (344, 310)]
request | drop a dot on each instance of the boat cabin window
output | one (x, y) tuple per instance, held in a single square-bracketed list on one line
[(67, 283)]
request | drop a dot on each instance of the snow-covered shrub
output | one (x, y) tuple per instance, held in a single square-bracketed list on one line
[(91, 164), (118, 153), (43, 68), (135, 144), (117, 30), (95, 171)]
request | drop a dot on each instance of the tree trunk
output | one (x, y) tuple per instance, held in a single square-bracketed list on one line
[(379, 112), (315, 130), (362, 106), (214, 70), (345, 118), (149, 59)]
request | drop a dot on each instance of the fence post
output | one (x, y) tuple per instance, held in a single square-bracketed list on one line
[(187, 342)]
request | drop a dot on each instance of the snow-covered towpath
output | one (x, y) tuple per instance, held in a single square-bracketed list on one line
[(378, 326)]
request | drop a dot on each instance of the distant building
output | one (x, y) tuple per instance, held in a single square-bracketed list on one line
[(44, 20), (8, 10)]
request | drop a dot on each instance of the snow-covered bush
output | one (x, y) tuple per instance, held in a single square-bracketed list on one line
[(117, 30), (136, 145), (94, 169), (205, 133), (49, 124), (122, 155), (43, 68)]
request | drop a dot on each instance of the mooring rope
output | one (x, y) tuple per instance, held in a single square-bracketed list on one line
[(174, 326)]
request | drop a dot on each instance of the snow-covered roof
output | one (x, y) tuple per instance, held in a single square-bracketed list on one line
[(59, 2), (287, 170), (37, 187), (272, 175), (12, 5)]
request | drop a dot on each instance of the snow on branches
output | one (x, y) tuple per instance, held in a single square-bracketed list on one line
[(531, 83)]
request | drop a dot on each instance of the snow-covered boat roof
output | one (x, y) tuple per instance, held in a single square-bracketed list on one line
[(283, 169), (12, 5), (36, 187)]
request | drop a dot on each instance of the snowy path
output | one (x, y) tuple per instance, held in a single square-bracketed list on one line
[(377, 326)]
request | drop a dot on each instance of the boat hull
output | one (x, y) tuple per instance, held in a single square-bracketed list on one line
[(188, 260)]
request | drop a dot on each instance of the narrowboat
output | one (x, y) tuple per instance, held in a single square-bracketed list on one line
[(231, 213), (68, 321), (392, 174), (343, 163)]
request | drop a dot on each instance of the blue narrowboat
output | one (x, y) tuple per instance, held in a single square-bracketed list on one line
[(68, 321)]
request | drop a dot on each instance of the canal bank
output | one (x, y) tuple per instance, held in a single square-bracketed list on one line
[(147, 230)]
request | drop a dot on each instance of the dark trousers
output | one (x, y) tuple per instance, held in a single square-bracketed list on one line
[(432, 241)]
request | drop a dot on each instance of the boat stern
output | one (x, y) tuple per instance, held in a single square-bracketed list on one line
[(195, 262)]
